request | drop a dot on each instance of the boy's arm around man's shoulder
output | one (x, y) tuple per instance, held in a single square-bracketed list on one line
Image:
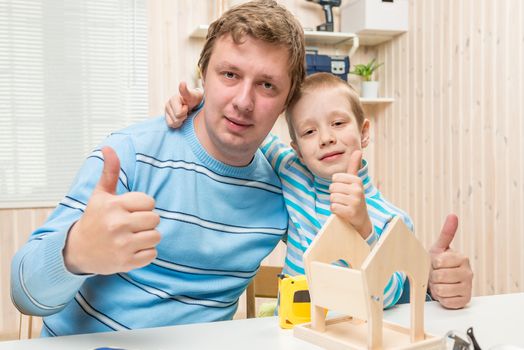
[(277, 153), (41, 284)]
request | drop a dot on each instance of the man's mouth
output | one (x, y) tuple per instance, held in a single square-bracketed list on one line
[(237, 125)]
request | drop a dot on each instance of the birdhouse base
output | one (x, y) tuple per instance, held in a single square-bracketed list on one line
[(346, 333)]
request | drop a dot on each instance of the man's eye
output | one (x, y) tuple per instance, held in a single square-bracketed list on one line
[(267, 86), (229, 75)]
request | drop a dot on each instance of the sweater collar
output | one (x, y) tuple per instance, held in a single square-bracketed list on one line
[(188, 129)]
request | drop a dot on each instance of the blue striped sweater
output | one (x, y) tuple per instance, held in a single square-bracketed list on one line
[(217, 224), (308, 206)]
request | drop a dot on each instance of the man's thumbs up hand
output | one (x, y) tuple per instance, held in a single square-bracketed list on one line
[(116, 233), (446, 235), (111, 172), (347, 196), (451, 277)]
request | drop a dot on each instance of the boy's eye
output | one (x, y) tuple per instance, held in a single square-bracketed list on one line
[(307, 132), (338, 123)]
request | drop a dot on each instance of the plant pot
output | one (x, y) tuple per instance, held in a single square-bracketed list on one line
[(369, 89)]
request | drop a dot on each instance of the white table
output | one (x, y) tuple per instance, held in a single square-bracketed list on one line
[(496, 320)]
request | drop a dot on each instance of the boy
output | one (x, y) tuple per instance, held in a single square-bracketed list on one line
[(324, 173)]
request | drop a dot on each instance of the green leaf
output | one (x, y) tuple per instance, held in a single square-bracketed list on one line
[(366, 70)]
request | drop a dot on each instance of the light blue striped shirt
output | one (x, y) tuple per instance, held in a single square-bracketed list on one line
[(308, 205), (217, 224)]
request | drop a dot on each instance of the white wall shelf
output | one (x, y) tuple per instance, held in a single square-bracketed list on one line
[(375, 101), (200, 31), (373, 38), (336, 39), (375, 21)]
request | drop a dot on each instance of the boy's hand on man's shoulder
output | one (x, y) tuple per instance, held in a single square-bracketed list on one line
[(178, 106), (347, 196)]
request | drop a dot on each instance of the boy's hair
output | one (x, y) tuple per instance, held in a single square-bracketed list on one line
[(265, 20), (324, 80)]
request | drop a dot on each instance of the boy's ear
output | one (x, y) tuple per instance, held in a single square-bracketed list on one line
[(364, 134), (297, 150)]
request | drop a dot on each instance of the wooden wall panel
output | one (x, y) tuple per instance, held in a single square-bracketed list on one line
[(452, 141), (15, 227)]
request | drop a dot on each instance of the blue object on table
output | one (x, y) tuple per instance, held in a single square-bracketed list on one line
[(337, 65)]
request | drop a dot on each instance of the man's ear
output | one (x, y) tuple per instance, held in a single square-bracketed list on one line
[(364, 134), (297, 150)]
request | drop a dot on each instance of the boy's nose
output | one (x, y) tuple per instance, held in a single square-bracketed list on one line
[(244, 99), (327, 138)]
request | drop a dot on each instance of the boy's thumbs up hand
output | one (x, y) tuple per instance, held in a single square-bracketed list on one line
[(355, 162), (347, 196), (116, 233), (451, 277)]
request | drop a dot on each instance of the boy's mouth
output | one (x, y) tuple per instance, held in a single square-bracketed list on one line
[(331, 156)]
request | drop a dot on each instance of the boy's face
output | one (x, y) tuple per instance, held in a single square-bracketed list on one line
[(326, 130), (246, 87)]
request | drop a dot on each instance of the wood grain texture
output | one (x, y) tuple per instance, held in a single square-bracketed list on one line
[(453, 139), (15, 228)]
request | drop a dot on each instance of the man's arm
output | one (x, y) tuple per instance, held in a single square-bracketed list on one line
[(40, 283), (43, 277)]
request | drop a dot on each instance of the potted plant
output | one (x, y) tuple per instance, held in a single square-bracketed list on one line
[(369, 87)]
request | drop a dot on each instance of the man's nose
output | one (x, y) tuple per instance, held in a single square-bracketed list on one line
[(244, 100)]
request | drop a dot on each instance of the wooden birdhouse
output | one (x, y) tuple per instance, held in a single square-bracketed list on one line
[(357, 292)]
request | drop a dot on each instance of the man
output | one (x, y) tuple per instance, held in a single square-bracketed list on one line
[(179, 221)]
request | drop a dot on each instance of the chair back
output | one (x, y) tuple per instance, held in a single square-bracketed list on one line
[(29, 326), (264, 285)]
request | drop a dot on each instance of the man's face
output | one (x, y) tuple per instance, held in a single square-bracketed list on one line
[(327, 131), (246, 87)]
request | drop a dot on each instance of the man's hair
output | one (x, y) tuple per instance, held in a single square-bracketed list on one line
[(265, 20), (324, 80)]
